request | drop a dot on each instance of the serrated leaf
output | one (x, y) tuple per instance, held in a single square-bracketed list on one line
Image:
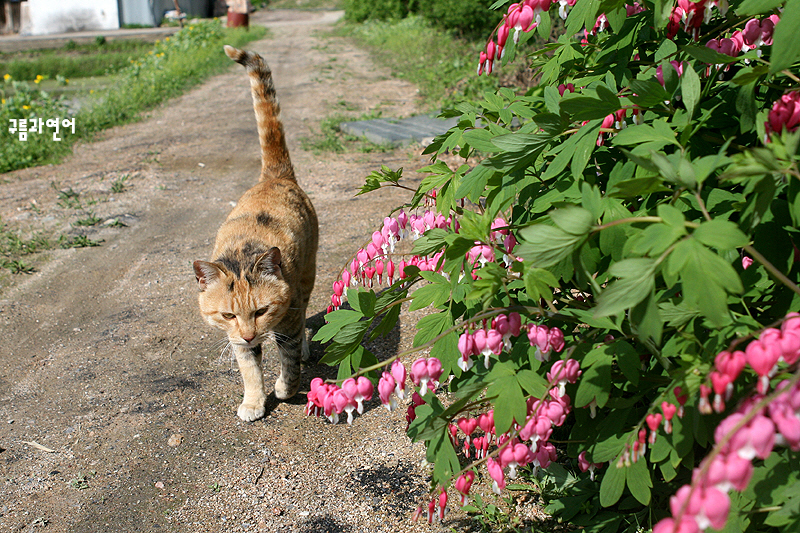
[(509, 404), (637, 280), (720, 234), (480, 139), (572, 219), (545, 246)]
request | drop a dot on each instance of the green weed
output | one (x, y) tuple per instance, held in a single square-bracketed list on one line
[(90, 220), (119, 185), (78, 241)]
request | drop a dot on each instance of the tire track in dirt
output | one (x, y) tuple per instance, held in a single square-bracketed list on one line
[(104, 359)]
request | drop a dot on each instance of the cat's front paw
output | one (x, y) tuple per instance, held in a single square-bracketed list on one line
[(250, 412)]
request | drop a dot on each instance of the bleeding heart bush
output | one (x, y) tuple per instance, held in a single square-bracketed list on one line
[(635, 216)]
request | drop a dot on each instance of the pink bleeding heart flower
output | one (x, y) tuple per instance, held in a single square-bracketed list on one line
[(730, 363), (763, 360), (399, 374), (563, 372), (343, 401), (726, 472), (466, 345), (746, 262), (786, 422), (556, 339), (785, 113), (386, 387), (496, 473), (364, 390), (668, 525), (463, 484), (653, 422), (720, 383), (515, 455), (756, 439), (669, 411), (486, 422), (544, 455), (314, 404), (585, 465), (425, 371), (539, 338), (467, 425)]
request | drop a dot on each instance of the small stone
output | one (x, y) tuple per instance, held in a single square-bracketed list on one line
[(159, 485), (175, 440)]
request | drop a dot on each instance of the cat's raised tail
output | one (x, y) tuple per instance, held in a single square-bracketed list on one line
[(275, 160)]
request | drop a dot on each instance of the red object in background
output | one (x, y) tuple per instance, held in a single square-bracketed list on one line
[(236, 20)]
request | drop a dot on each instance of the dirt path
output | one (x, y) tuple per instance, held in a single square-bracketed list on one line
[(103, 357)]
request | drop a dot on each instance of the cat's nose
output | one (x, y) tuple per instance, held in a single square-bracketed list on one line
[(248, 338)]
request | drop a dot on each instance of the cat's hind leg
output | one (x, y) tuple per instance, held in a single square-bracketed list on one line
[(255, 399)]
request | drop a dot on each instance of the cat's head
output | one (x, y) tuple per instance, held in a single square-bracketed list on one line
[(247, 304)]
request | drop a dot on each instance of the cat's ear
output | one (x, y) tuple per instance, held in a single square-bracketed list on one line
[(269, 264), (206, 274)]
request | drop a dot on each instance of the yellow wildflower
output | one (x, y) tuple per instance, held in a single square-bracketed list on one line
[(7, 77), (2, 101), (91, 91), (26, 107), (39, 78)]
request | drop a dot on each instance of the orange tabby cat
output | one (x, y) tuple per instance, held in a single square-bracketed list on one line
[(264, 260)]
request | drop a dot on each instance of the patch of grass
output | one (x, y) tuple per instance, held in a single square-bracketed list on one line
[(13, 247), (73, 61), (119, 185), (441, 65), (77, 241), (90, 220)]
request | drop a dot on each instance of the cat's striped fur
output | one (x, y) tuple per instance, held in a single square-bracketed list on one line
[(262, 271)]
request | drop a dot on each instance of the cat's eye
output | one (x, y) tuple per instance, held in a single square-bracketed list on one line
[(262, 311), (228, 316)]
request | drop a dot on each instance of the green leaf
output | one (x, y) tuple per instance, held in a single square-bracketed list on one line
[(705, 54), (637, 280), (628, 360), (690, 89), (437, 292), (572, 219), (720, 234), (430, 326), (612, 486), (785, 44), (336, 321), (639, 482), (756, 7), (539, 283), (595, 382), (510, 402), (645, 133), (545, 246)]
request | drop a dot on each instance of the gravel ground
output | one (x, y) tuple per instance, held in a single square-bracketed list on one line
[(117, 411)]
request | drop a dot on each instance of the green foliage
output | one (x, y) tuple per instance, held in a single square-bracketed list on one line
[(362, 10), (631, 240), (470, 18)]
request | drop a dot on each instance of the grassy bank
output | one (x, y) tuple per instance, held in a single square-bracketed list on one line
[(169, 68), (440, 64), (73, 60)]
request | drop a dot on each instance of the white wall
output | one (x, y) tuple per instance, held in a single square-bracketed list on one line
[(62, 16)]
